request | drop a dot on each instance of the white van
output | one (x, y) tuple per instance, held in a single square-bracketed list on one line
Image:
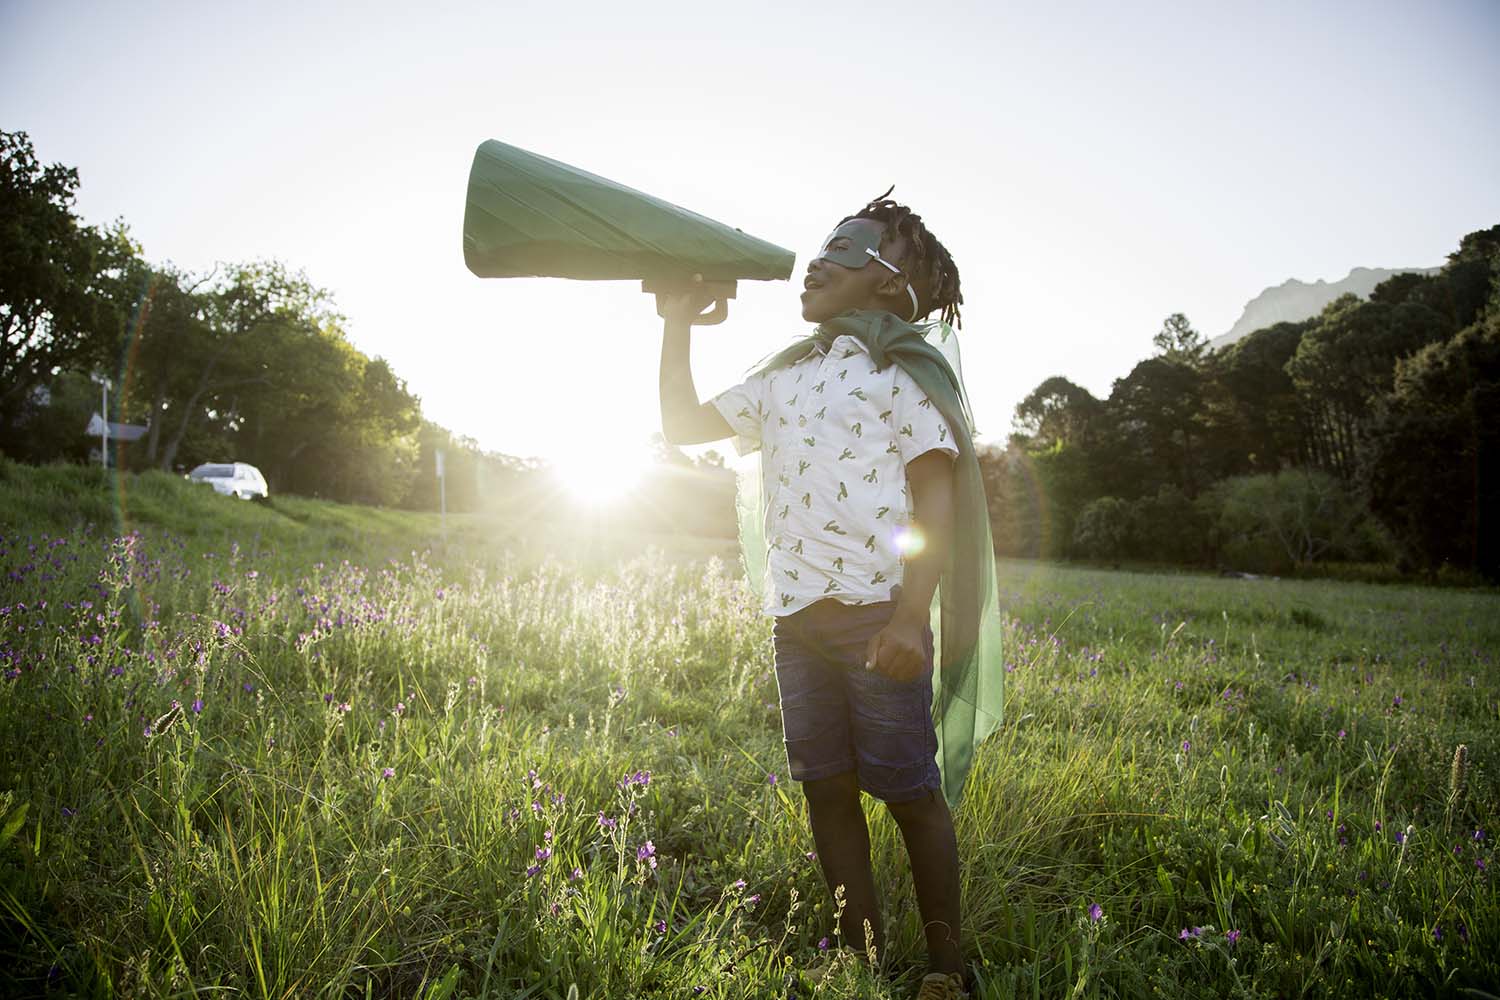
[(236, 479)]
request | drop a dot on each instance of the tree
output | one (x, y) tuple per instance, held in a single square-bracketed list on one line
[(1057, 411), (1285, 520), (1103, 529), (323, 418), (1345, 363), (1265, 420), (1016, 504), (1433, 471), (235, 320), (61, 282), (1167, 526), (166, 328), (1156, 411), (1178, 341)]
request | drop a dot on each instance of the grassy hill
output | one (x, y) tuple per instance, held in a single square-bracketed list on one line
[(70, 499), (541, 758)]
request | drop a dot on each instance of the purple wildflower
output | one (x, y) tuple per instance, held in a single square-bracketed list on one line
[(197, 706), (543, 853), (771, 778), (1095, 913), (389, 772), (660, 927), (532, 870), (823, 944), (1233, 937)]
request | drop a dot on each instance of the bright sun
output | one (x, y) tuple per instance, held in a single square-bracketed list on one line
[(600, 475)]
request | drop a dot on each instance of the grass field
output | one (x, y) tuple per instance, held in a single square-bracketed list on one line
[(309, 750)]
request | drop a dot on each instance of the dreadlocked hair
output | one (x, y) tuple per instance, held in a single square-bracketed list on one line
[(928, 263)]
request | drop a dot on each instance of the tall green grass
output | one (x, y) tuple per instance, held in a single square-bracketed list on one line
[(316, 751)]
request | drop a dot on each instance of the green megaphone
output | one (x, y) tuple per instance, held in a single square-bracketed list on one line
[(530, 216)]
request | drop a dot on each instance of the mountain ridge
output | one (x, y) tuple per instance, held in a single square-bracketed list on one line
[(1295, 300)]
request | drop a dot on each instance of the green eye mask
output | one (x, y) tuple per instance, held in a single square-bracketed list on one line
[(856, 249)]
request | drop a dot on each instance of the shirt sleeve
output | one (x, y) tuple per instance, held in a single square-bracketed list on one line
[(744, 408), (920, 428)]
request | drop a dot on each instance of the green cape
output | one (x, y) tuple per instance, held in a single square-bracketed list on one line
[(969, 679)]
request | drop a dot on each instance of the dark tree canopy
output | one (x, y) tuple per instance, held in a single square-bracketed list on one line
[(61, 282), (1366, 430)]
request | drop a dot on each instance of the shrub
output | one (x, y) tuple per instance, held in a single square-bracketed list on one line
[(1279, 522), (1103, 529)]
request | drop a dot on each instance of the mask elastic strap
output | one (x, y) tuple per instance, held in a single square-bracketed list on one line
[(875, 256)]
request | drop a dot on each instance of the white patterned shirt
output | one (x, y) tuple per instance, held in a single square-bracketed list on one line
[(835, 436)]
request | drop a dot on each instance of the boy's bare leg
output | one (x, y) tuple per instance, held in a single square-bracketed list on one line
[(927, 828), (843, 841)]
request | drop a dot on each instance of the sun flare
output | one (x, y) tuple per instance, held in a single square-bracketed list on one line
[(600, 475)]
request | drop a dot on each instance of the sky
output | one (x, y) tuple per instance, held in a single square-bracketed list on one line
[(1092, 167)]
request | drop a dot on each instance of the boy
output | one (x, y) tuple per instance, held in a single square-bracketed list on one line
[(859, 478)]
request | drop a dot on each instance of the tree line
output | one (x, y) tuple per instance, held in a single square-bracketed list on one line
[(1366, 434), (248, 362)]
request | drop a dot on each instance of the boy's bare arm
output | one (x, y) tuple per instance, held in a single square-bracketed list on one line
[(898, 650), (684, 420)]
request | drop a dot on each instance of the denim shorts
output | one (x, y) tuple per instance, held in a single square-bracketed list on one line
[(837, 716)]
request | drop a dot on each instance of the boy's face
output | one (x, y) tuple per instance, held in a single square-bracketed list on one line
[(831, 288)]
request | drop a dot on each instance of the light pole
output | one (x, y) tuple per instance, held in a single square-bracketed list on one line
[(104, 423), (442, 493)]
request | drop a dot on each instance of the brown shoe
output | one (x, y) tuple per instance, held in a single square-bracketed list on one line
[(938, 986)]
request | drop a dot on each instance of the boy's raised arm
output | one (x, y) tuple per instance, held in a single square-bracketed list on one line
[(684, 419)]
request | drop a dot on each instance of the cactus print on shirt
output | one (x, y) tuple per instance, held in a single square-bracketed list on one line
[(835, 435)]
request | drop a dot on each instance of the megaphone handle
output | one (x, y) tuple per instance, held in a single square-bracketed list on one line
[(714, 316), (720, 291)]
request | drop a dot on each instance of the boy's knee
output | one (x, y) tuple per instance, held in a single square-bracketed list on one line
[(922, 806), (836, 790)]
